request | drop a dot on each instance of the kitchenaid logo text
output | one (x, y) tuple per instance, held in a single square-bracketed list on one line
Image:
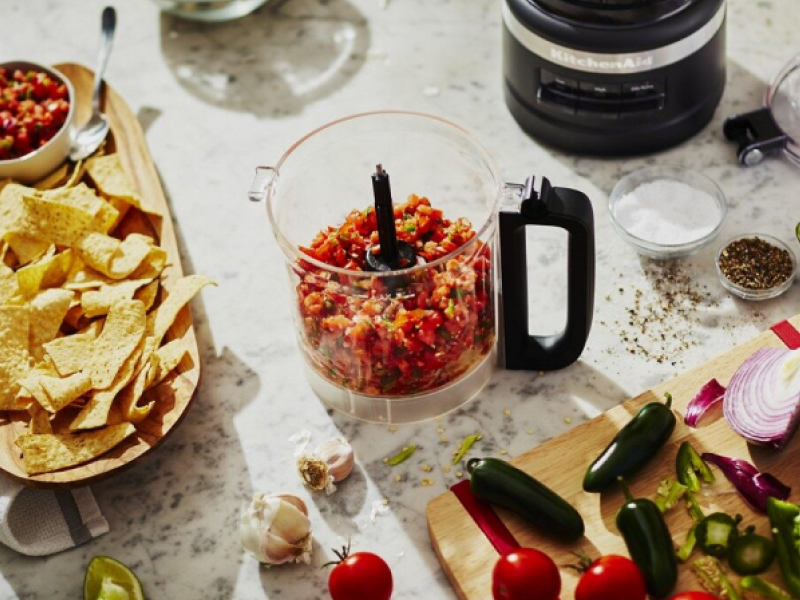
[(633, 61)]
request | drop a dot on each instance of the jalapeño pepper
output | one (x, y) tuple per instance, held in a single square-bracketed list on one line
[(784, 518), (716, 532), (692, 468), (499, 483), (750, 553), (649, 543), (633, 446)]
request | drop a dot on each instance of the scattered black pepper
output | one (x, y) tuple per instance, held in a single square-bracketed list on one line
[(755, 264)]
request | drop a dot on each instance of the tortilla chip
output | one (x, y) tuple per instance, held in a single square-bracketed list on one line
[(130, 395), (122, 333), (11, 204), (43, 453), (153, 264), (14, 322), (72, 353), (169, 357), (93, 328), (97, 250), (130, 254), (186, 288), (54, 179), (40, 421), (63, 392), (111, 179), (85, 278), (99, 302), (47, 272), (96, 411), (147, 295), (8, 284), (47, 311), (77, 174), (52, 221), (83, 197), (26, 248)]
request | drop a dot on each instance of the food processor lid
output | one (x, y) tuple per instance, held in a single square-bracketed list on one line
[(614, 12), (774, 127)]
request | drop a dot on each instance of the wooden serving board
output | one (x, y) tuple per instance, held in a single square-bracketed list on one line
[(175, 395), (468, 558)]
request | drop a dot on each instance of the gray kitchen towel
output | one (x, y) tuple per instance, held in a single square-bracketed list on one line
[(40, 522)]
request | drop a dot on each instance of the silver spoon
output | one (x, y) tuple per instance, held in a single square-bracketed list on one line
[(91, 135)]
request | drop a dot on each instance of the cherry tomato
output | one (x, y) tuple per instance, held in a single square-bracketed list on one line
[(361, 576), (612, 577), (526, 574), (694, 596)]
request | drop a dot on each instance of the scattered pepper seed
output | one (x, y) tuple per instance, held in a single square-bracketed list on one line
[(567, 420), (507, 412), (386, 460), (755, 264), (398, 478), (385, 501), (392, 429), (426, 481), (427, 468), (403, 455), (446, 468), (440, 431), (503, 452), (529, 431), (459, 474)]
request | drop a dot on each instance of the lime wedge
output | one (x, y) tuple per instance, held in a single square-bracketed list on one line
[(109, 579)]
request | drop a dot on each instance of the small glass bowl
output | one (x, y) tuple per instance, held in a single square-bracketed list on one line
[(747, 293), (649, 174)]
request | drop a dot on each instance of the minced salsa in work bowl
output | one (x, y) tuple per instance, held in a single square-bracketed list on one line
[(36, 112), (400, 335)]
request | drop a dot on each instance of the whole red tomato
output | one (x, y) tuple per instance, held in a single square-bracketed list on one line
[(361, 576), (694, 596), (526, 574), (612, 577)]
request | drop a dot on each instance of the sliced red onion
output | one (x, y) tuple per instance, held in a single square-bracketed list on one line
[(754, 486), (709, 396), (761, 404)]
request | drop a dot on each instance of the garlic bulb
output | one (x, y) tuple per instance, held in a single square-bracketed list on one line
[(275, 529), (339, 456), (331, 462)]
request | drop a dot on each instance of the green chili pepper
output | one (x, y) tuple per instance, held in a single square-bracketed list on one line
[(712, 577), (784, 518), (750, 553), (668, 494), (649, 542), (633, 446), (404, 454), (751, 583), (465, 446), (685, 551), (694, 508), (692, 468), (499, 483), (716, 532)]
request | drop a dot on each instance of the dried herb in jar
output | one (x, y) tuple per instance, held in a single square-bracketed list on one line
[(755, 264)]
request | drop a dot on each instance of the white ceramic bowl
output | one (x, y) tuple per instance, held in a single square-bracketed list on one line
[(40, 162), (649, 174)]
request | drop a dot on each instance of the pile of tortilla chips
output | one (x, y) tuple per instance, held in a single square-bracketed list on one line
[(82, 316)]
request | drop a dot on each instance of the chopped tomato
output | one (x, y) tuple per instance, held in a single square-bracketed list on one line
[(369, 340)]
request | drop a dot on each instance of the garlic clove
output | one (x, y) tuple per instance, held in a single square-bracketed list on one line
[(276, 529), (315, 473), (339, 456)]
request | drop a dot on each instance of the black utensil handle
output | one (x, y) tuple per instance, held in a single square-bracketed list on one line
[(552, 207), (757, 135)]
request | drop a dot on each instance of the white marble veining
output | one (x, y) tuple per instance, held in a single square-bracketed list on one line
[(218, 100)]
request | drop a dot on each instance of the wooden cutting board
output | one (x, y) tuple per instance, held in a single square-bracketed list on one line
[(174, 396), (467, 556)]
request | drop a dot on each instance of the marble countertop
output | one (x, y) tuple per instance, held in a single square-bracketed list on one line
[(216, 101)]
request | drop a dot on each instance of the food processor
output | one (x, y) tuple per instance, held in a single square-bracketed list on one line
[(774, 128), (411, 336)]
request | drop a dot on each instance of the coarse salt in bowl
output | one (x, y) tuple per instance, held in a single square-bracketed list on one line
[(667, 212)]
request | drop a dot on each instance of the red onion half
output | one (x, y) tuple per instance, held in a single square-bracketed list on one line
[(762, 402)]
